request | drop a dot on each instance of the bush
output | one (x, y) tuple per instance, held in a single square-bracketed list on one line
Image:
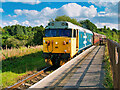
[(12, 42)]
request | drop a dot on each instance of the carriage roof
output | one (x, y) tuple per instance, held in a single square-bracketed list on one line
[(65, 25)]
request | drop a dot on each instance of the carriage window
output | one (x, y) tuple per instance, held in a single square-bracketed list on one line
[(74, 33), (58, 33)]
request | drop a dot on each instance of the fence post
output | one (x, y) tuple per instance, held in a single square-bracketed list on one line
[(115, 69), (119, 67)]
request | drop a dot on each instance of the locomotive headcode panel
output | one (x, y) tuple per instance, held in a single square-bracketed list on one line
[(63, 40)]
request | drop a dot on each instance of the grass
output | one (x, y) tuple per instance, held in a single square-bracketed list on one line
[(108, 80), (14, 52), (50, 71), (18, 67), (0, 79)]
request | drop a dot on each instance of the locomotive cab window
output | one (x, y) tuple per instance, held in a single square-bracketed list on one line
[(58, 33)]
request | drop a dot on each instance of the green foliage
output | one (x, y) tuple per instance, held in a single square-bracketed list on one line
[(110, 34), (88, 25), (119, 36), (17, 35), (67, 18), (16, 67), (108, 80), (12, 42), (21, 37), (38, 37), (115, 30)]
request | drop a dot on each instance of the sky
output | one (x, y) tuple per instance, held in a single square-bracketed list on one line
[(36, 13)]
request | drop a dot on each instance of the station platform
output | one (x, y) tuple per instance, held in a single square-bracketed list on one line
[(83, 71)]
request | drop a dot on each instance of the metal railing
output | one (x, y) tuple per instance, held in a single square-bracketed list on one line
[(114, 54)]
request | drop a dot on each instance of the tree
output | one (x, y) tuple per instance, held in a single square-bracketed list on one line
[(38, 37), (108, 29), (18, 30), (119, 36), (67, 18), (115, 30), (104, 27), (88, 25), (12, 42), (17, 35)]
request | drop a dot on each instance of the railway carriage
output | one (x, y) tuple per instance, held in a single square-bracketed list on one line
[(98, 38), (63, 40), (102, 39)]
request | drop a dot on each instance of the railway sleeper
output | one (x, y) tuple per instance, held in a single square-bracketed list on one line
[(47, 73), (22, 87), (39, 77), (44, 74), (30, 82), (27, 84), (18, 88), (34, 81)]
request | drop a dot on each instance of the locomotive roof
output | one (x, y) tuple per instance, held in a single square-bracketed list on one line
[(65, 24)]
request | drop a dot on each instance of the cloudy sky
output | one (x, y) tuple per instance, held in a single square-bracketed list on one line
[(36, 13)]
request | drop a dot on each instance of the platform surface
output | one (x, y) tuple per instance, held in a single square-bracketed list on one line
[(80, 72)]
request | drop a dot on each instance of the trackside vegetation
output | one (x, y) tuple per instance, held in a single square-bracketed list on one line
[(18, 67), (14, 52), (17, 36), (108, 79)]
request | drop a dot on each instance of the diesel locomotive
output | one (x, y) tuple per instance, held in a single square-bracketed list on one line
[(63, 40)]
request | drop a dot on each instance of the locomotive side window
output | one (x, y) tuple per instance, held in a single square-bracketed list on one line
[(74, 33)]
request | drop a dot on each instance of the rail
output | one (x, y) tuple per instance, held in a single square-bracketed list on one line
[(114, 54), (16, 85)]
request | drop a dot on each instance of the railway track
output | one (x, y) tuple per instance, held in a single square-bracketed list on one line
[(32, 79)]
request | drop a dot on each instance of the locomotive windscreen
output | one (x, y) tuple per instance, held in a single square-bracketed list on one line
[(58, 33)]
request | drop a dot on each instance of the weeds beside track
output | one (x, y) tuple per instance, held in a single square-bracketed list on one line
[(108, 80), (19, 67), (29, 81)]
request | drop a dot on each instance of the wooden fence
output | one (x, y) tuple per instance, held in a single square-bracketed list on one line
[(114, 53)]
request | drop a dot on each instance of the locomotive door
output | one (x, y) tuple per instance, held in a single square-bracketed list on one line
[(77, 40)]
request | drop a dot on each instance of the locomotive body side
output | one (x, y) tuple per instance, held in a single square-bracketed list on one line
[(85, 39)]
